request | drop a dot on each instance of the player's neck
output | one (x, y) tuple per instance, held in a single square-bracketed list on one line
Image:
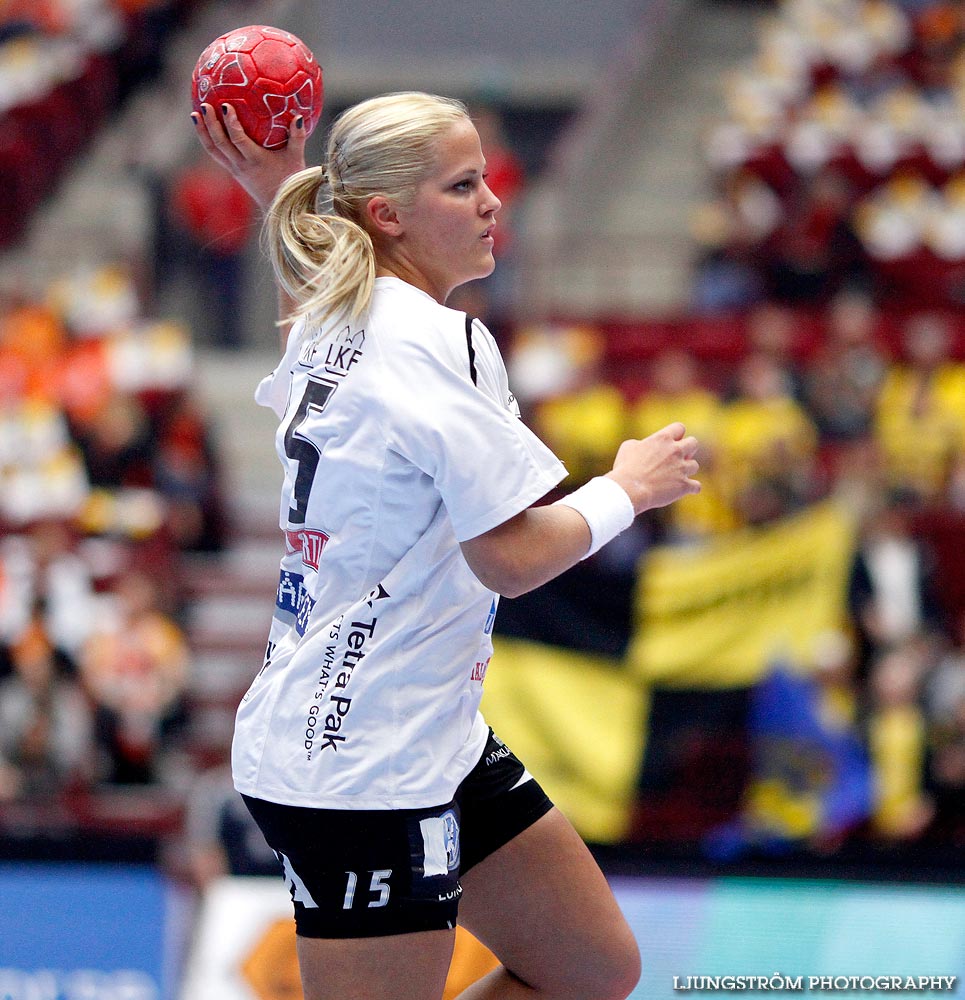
[(404, 271)]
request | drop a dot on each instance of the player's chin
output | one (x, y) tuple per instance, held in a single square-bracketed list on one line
[(487, 264)]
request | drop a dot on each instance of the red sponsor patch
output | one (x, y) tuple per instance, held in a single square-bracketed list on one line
[(309, 543), (479, 670)]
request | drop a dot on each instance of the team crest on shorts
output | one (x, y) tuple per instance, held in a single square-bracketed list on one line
[(440, 843), (452, 840)]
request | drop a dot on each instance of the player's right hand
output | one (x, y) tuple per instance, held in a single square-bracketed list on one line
[(258, 170), (658, 469)]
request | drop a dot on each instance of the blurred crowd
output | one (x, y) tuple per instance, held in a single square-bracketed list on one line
[(836, 228), (841, 159), (848, 402), (65, 66), (107, 476)]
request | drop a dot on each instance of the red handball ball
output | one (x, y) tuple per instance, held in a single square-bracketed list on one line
[(267, 75)]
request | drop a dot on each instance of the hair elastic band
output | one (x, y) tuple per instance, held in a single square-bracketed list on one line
[(606, 508)]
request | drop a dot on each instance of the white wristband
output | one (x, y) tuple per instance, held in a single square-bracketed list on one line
[(605, 507)]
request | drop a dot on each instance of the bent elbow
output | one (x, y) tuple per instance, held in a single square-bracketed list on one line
[(503, 576), (502, 581), (515, 588), (499, 559)]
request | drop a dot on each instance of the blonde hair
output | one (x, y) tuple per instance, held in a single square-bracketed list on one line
[(314, 233)]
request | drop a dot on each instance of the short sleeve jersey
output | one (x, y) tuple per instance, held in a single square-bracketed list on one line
[(399, 438)]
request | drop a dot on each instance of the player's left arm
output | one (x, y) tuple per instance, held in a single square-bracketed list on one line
[(539, 543), (258, 170)]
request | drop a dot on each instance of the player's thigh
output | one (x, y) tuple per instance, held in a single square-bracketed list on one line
[(542, 905), (396, 967)]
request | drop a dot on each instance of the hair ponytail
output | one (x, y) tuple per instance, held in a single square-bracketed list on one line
[(322, 260)]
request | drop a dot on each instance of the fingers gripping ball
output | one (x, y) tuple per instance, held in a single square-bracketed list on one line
[(267, 75)]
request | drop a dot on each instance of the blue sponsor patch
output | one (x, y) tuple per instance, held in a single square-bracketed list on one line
[(293, 602), (490, 619)]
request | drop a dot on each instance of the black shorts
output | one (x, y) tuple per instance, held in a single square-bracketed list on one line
[(367, 873)]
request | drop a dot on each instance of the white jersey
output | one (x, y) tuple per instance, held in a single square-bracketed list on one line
[(399, 438)]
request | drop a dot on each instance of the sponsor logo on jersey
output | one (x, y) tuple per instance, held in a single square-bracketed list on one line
[(490, 619), (331, 703), (479, 670), (309, 543), (336, 355), (293, 602), (344, 352), (499, 754), (379, 594)]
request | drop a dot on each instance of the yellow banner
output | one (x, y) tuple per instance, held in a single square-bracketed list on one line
[(718, 614), (578, 723)]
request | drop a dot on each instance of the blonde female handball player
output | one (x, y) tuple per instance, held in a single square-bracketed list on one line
[(407, 509)]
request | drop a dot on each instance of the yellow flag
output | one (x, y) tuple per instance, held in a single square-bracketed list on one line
[(718, 614)]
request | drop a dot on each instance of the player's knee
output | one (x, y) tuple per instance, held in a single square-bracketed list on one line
[(614, 971), (624, 972)]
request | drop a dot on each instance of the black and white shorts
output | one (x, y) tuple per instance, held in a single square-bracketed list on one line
[(368, 873)]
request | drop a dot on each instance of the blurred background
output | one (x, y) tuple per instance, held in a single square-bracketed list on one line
[(748, 215)]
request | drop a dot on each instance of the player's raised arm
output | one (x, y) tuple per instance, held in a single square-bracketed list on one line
[(258, 170), (263, 145)]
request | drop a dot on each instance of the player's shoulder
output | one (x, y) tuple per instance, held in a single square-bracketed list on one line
[(410, 323)]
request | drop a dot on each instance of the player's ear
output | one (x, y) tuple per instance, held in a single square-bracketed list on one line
[(384, 216)]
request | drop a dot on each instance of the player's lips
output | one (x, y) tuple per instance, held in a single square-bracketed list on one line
[(488, 232)]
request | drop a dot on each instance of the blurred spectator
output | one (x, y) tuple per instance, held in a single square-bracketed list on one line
[(857, 477), (892, 587), (892, 222), (676, 394), (938, 33), (583, 425), (766, 445), (556, 373), (945, 707), (42, 476), (775, 330), (32, 339), (920, 422), (811, 785), (215, 216), (843, 378), (185, 470), (731, 232), (116, 443), (134, 669), (897, 734), (220, 837), (46, 731), (46, 580), (814, 252)]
